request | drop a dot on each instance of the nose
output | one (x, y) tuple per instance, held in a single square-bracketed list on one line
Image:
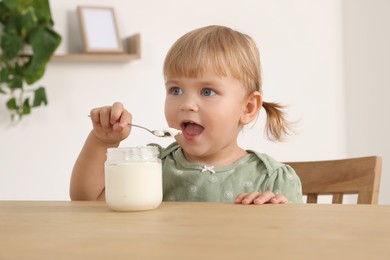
[(189, 104)]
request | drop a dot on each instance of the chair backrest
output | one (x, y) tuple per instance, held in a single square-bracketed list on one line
[(359, 176)]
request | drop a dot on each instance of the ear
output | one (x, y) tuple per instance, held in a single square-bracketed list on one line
[(252, 107)]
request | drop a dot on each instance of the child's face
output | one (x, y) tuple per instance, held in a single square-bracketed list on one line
[(208, 109)]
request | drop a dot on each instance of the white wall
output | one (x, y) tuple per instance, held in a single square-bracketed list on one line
[(367, 52), (301, 44)]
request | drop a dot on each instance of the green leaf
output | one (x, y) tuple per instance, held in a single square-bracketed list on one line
[(11, 45), (11, 4), (39, 97), (4, 75), (16, 82), (42, 10), (27, 22), (13, 22), (44, 41), (34, 71), (26, 109), (3, 12), (11, 104)]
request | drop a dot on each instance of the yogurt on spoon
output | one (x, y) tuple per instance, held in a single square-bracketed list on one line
[(167, 132)]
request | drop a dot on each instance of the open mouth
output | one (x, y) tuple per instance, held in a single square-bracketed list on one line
[(191, 128)]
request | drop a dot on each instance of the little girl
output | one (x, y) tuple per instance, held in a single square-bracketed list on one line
[(213, 89)]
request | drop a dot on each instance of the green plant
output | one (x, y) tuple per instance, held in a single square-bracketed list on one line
[(27, 43)]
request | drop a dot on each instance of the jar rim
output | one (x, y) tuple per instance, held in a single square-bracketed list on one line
[(136, 153)]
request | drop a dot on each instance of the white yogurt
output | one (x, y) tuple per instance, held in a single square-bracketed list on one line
[(159, 133), (172, 131), (133, 179)]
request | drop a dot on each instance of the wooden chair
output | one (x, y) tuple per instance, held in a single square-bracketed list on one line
[(338, 177)]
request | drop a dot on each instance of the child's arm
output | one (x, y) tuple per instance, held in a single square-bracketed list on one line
[(110, 127)]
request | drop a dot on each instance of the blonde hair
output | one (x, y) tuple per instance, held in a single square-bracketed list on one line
[(226, 51)]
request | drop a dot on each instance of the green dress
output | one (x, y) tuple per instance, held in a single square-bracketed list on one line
[(184, 181)]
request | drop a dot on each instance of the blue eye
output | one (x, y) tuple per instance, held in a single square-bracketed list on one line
[(207, 92), (176, 91)]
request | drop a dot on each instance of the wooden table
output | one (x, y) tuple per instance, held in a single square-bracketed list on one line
[(192, 230)]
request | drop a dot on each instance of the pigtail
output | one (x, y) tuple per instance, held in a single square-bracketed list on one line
[(277, 127)]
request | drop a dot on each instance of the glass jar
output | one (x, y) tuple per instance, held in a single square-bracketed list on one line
[(133, 178)]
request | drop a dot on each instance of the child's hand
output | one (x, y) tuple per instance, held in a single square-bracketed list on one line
[(259, 198), (110, 123)]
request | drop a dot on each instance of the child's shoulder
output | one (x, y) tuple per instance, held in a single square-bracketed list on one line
[(164, 152), (270, 163)]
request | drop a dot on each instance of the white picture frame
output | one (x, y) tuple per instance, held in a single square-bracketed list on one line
[(99, 30)]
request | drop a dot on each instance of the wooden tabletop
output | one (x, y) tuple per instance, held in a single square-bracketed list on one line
[(193, 230)]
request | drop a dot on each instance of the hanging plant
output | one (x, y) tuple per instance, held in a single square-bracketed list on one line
[(27, 42)]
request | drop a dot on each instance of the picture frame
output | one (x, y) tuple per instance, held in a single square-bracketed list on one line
[(99, 30)]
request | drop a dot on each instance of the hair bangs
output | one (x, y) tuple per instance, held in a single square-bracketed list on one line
[(219, 49), (195, 61)]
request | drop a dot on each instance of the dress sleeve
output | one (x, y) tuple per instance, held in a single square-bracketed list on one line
[(286, 182)]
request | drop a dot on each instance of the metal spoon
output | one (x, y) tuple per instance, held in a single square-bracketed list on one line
[(170, 132)]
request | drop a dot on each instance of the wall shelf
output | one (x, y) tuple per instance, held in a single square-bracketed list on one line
[(87, 57), (133, 53)]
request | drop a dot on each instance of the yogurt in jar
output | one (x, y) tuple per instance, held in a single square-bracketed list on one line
[(133, 178)]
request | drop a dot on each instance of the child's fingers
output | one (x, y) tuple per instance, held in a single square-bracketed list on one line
[(116, 112), (259, 198), (264, 197), (100, 116), (249, 198), (240, 197), (279, 199), (104, 117), (94, 114), (114, 116), (125, 119)]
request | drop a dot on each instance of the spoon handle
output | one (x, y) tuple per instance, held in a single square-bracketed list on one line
[(150, 131)]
